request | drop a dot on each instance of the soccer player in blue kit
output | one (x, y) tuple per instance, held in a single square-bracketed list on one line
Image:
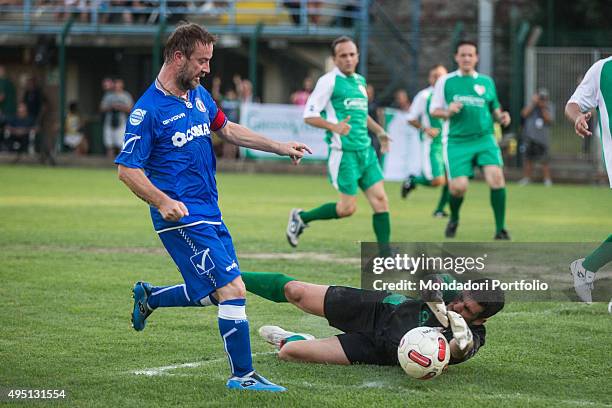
[(167, 160)]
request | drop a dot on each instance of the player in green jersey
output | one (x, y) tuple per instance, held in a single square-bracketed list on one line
[(339, 104), (594, 92), (432, 139), (469, 101)]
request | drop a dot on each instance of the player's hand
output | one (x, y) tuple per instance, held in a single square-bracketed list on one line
[(504, 119), (454, 108), (432, 132), (439, 310), (343, 128), (384, 140), (172, 210), (581, 125), (461, 332), (294, 150)]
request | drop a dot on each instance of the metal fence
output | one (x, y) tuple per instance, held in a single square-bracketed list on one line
[(560, 70)]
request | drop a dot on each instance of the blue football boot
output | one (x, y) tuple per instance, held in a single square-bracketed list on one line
[(140, 293), (253, 382)]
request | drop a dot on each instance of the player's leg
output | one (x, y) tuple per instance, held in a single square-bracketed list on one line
[(343, 175), (371, 183), (438, 172), (490, 159), (584, 270), (324, 351), (459, 163)]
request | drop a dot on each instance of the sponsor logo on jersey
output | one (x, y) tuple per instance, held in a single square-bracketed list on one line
[(234, 265), (469, 100), (200, 105), (130, 141), (137, 116), (356, 103), (175, 117), (181, 138), (188, 104), (480, 89)]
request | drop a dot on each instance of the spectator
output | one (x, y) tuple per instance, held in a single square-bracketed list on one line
[(20, 130), (230, 105), (538, 118), (34, 99), (244, 88), (75, 139), (294, 8), (116, 106), (8, 99), (376, 113), (300, 97)]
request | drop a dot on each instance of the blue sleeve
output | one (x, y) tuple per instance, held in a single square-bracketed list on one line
[(138, 139), (215, 115)]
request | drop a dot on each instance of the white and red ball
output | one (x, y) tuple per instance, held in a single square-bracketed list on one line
[(423, 353)]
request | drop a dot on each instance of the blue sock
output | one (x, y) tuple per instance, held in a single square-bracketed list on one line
[(175, 296), (234, 328)]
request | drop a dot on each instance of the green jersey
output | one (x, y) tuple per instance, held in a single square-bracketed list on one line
[(595, 92), (335, 97), (478, 96)]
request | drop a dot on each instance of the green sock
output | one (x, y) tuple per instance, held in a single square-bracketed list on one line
[(498, 202), (324, 212), (295, 337), (443, 199), (455, 203), (268, 285), (599, 257), (382, 229), (421, 180)]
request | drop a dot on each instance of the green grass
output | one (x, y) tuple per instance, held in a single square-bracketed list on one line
[(72, 242)]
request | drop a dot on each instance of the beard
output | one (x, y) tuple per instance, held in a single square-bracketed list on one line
[(185, 81)]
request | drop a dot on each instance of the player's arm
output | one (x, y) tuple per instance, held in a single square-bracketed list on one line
[(438, 108), (501, 116), (380, 133), (141, 186), (245, 137), (316, 103), (462, 343), (584, 99)]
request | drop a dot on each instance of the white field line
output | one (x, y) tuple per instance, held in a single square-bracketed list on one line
[(165, 370)]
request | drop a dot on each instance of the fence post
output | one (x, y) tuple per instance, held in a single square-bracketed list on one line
[(157, 46), (253, 55)]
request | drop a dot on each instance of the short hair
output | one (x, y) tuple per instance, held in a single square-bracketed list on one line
[(185, 38), (340, 40), (466, 42), (492, 300), (436, 66)]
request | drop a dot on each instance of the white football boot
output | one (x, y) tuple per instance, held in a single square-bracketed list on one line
[(277, 336), (583, 280)]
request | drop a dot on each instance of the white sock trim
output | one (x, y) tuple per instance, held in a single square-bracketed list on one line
[(231, 312)]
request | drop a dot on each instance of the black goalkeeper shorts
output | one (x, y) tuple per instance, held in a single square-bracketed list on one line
[(355, 312)]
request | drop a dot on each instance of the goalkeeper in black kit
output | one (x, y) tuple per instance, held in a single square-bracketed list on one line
[(373, 322)]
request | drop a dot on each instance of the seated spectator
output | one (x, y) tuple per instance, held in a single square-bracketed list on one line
[(300, 97), (74, 139), (20, 130)]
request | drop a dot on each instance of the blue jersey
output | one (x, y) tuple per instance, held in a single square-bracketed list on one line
[(170, 139)]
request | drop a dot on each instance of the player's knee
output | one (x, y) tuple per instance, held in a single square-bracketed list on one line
[(381, 203), (346, 210), (290, 352), (294, 291), (233, 290), (438, 181)]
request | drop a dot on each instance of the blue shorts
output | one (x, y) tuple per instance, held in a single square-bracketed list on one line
[(205, 256)]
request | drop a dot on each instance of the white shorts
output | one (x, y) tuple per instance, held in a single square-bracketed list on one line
[(114, 137)]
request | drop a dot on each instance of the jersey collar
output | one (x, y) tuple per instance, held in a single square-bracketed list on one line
[(474, 75), (338, 72), (159, 88)]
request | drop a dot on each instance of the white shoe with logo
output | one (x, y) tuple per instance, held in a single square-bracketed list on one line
[(583, 281), (277, 336)]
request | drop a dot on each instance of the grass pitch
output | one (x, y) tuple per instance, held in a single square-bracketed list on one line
[(73, 241)]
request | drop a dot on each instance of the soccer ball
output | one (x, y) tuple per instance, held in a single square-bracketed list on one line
[(423, 353)]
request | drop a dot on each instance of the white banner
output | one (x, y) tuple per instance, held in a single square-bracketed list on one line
[(283, 123), (404, 157)]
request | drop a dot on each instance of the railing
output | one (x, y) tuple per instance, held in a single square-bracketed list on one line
[(298, 16)]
